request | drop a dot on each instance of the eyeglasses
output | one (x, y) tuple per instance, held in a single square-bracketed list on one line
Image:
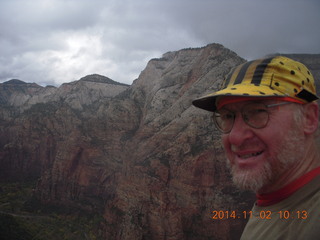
[(255, 115)]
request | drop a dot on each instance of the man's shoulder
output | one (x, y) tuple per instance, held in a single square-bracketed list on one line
[(297, 217)]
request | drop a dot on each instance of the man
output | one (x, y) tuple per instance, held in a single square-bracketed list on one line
[(268, 117)]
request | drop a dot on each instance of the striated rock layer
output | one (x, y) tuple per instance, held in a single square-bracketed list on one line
[(141, 156)]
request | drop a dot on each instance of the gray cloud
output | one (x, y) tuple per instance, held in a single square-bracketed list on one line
[(56, 41)]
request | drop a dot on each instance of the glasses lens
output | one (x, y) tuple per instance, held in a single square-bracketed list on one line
[(224, 120), (255, 115)]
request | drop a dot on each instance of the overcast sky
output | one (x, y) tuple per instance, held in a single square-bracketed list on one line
[(51, 42)]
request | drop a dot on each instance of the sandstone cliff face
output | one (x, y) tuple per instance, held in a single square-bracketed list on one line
[(173, 173), (141, 155), (35, 120)]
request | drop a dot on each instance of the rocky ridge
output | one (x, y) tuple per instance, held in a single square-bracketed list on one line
[(85, 91), (140, 155)]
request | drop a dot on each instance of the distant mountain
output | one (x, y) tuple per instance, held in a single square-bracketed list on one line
[(140, 157), (100, 79), (16, 92), (88, 89), (14, 82)]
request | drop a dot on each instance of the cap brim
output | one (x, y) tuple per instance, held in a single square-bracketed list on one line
[(208, 102)]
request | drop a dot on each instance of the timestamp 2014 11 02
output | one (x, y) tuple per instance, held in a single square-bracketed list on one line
[(233, 214)]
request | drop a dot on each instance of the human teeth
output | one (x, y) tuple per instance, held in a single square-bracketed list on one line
[(250, 155)]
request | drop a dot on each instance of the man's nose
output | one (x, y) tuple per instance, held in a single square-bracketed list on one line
[(240, 131)]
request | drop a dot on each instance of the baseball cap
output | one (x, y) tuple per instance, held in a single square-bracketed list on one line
[(279, 77)]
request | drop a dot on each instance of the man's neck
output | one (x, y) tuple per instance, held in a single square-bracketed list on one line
[(285, 192), (307, 164)]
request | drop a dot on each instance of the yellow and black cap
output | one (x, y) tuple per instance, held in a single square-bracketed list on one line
[(268, 77)]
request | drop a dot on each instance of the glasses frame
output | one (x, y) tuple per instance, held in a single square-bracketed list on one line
[(214, 117)]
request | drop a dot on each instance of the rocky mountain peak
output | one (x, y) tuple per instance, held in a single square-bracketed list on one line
[(100, 79), (18, 84), (14, 82), (16, 92), (77, 94)]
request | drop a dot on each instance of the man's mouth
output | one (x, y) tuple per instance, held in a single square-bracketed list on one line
[(245, 156)]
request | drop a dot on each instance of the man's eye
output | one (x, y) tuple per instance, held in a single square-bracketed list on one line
[(261, 110), (226, 116)]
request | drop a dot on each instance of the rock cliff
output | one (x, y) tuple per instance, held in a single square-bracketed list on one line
[(141, 156)]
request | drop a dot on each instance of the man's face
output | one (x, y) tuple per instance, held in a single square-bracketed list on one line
[(258, 157)]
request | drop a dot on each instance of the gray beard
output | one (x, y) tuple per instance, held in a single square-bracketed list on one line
[(288, 153)]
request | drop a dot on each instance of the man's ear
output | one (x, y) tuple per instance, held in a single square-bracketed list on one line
[(311, 118)]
